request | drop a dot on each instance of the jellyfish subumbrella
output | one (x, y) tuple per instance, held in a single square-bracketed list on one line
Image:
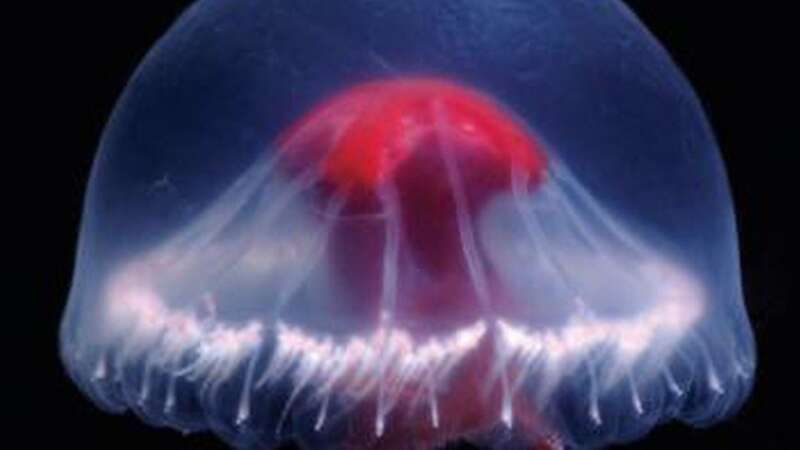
[(378, 224)]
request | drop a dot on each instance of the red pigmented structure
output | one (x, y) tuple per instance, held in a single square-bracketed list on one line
[(387, 122), (428, 153)]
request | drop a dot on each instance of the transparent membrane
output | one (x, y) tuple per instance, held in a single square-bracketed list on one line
[(394, 224)]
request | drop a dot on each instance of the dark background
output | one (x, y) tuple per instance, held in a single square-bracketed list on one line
[(82, 53)]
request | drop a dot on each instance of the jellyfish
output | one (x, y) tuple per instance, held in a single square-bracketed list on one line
[(374, 224)]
